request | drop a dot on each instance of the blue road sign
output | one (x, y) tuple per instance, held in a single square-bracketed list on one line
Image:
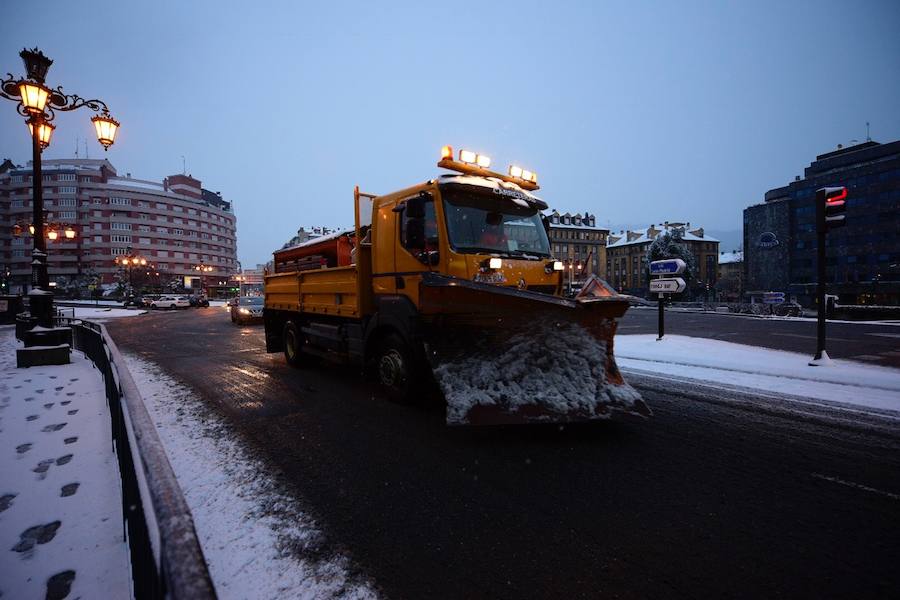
[(672, 266)]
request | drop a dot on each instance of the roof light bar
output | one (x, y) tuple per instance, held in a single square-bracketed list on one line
[(520, 173)]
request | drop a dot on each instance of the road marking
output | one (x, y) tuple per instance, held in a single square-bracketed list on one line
[(887, 335), (858, 486)]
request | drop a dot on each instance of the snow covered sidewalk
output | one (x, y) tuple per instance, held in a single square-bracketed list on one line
[(61, 530), (758, 368), (257, 540)]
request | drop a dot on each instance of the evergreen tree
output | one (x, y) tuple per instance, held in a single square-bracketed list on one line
[(671, 245)]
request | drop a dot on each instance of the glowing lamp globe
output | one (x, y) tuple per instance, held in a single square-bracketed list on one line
[(106, 127), (45, 132), (34, 96)]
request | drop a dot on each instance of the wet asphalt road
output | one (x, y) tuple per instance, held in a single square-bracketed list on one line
[(719, 494)]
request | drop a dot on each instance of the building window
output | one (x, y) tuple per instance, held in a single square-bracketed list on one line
[(162, 253), (66, 202), (98, 238), (120, 201), (143, 227), (17, 204), (120, 226), (69, 189), (18, 253), (67, 214), (118, 251), (162, 230), (66, 177), (17, 179), (122, 239), (144, 241), (98, 225)]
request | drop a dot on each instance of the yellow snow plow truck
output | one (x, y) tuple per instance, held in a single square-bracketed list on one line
[(453, 279)]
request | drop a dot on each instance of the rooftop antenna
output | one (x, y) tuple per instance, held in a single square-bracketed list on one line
[(868, 137), (76, 146), (183, 167), (87, 153)]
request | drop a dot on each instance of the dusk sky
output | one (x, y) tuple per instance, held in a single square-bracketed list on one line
[(636, 112)]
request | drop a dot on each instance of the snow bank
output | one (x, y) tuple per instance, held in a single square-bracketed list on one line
[(558, 368), (101, 314), (761, 368), (250, 529), (60, 492)]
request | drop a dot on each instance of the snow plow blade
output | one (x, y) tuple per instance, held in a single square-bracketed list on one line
[(502, 355)]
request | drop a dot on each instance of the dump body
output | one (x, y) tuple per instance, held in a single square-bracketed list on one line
[(443, 280)]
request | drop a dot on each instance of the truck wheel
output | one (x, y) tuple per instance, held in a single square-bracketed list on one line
[(396, 370), (293, 342)]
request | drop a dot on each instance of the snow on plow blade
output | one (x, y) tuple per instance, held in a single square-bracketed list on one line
[(502, 355)]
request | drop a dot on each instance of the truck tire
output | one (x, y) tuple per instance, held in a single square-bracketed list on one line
[(293, 344), (396, 371)]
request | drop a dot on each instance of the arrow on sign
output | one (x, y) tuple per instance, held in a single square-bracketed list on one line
[(674, 285), (672, 266)]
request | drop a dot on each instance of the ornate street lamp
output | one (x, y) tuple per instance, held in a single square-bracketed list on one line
[(38, 103)]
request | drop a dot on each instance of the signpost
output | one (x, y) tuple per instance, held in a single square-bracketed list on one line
[(773, 298), (666, 285)]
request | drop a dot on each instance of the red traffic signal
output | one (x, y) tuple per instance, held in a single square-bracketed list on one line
[(833, 203)]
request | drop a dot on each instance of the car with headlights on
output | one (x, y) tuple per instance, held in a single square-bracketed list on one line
[(247, 309)]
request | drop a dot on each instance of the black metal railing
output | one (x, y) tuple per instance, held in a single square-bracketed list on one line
[(166, 558)]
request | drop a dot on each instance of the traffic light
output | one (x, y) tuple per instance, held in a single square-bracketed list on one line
[(834, 204)]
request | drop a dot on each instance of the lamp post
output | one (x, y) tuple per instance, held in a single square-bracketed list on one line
[(129, 261), (38, 103), (203, 268)]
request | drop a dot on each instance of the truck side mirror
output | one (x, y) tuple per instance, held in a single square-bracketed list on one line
[(415, 207)]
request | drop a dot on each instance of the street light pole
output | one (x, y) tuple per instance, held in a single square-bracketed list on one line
[(39, 103)]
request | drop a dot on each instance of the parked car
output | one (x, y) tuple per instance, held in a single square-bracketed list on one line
[(148, 299), (133, 300), (199, 301), (171, 302), (246, 309)]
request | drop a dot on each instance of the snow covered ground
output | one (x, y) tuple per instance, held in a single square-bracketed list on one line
[(61, 526), (254, 536), (102, 314), (846, 382)]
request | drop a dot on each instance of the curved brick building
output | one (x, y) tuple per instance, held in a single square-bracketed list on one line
[(176, 224)]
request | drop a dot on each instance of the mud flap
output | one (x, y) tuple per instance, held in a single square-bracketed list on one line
[(502, 355)]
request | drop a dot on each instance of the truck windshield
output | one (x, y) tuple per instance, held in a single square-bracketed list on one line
[(481, 221)]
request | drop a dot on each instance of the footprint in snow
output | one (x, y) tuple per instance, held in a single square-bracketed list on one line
[(70, 440), (64, 460), (29, 398), (48, 406), (6, 501), (54, 427), (53, 377), (31, 417), (66, 402), (69, 489), (70, 394), (59, 586), (42, 466), (74, 379), (73, 411), (59, 388), (23, 448), (39, 534), (40, 391)]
